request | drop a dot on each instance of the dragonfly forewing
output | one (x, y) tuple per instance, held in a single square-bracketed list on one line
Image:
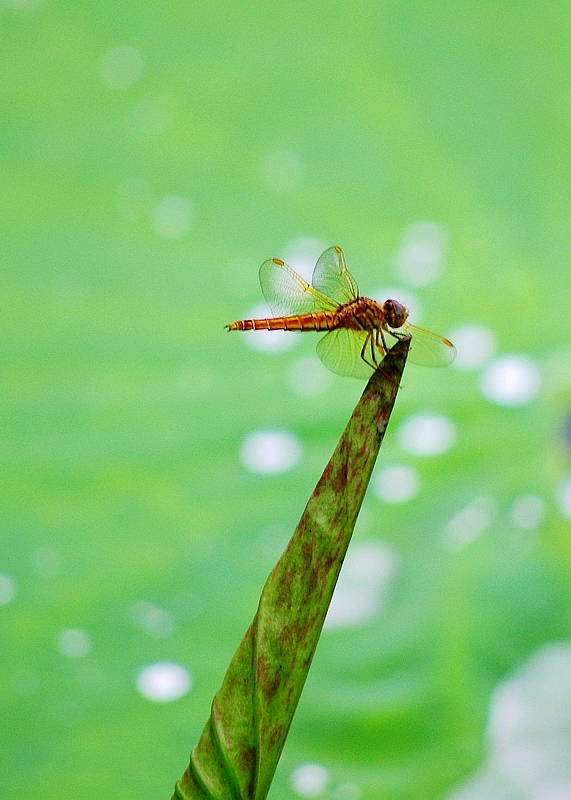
[(287, 293), (332, 278)]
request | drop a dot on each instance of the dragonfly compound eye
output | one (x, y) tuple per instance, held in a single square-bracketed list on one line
[(395, 313)]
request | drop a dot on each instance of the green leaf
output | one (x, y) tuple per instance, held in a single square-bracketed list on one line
[(242, 741)]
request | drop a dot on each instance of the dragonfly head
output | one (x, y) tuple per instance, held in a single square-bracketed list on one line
[(395, 313)]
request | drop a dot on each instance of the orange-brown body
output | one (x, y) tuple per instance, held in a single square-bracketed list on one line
[(361, 314)]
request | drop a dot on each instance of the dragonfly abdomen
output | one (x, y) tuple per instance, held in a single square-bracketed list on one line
[(319, 321)]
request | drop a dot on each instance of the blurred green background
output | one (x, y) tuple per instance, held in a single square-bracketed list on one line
[(152, 155)]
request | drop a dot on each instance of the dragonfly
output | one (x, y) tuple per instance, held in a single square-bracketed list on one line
[(359, 331)]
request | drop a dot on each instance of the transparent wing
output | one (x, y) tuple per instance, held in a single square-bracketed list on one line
[(428, 349), (287, 293), (332, 278), (340, 351)]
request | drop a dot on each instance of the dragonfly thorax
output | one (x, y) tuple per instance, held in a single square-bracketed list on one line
[(365, 314), (362, 313)]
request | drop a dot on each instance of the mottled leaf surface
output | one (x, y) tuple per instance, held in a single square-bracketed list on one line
[(242, 741)]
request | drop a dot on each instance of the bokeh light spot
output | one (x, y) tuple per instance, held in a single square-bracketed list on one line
[(309, 377), (510, 380), (152, 619), (302, 254), (7, 589), (164, 681), (564, 498), (121, 67), (396, 484), (282, 171), (529, 733), (270, 452), (426, 435), (475, 345), (74, 643), (347, 791), (469, 522), (173, 217), (309, 780), (527, 511), (362, 586), (419, 260), (47, 562)]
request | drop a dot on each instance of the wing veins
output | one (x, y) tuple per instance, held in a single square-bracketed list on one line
[(287, 293)]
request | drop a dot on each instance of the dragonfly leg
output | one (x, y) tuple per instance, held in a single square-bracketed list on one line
[(374, 343), (382, 345), (368, 340), (381, 336), (398, 335)]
